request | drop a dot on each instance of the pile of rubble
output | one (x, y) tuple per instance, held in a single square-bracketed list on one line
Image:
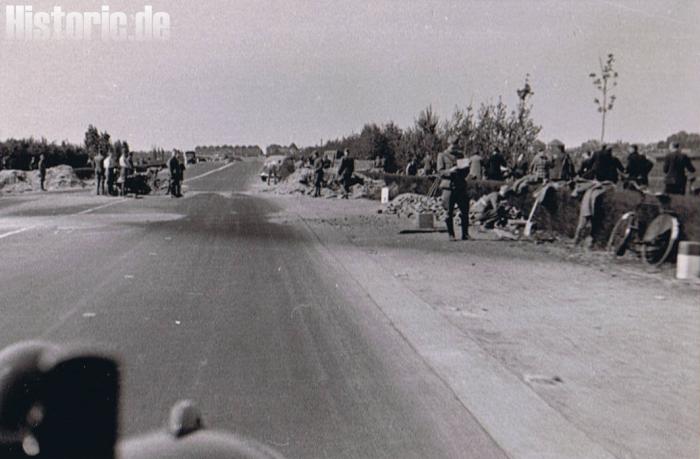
[(57, 178), (301, 181), (409, 205)]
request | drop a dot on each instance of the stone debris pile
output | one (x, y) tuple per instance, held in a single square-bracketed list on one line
[(57, 178), (409, 205), (301, 181)]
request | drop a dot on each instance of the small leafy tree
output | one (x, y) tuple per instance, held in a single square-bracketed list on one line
[(426, 129), (105, 143), (604, 83), (92, 141), (522, 131)]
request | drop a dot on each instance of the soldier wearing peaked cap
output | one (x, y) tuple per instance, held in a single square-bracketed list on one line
[(454, 187)]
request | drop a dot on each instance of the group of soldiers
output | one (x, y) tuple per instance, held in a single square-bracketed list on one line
[(113, 176), (453, 170), (345, 171)]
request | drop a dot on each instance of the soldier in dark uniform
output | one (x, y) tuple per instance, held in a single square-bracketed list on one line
[(638, 166), (495, 165), (565, 165), (99, 172), (345, 171), (42, 171), (606, 166), (318, 174), (675, 165), (175, 170), (454, 187)]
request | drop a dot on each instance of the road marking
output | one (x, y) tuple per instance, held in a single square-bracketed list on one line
[(87, 211), (12, 233), (210, 172)]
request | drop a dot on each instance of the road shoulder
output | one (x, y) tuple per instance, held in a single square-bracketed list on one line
[(549, 371)]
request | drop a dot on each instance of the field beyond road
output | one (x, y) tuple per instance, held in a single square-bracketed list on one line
[(315, 327)]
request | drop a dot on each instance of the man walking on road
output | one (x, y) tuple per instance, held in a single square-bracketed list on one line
[(345, 171), (99, 173), (454, 188), (675, 165)]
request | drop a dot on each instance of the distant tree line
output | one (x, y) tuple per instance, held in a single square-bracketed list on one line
[(687, 140), (228, 150), (24, 153)]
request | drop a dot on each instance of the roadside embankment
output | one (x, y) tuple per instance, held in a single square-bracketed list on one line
[(560, 210)]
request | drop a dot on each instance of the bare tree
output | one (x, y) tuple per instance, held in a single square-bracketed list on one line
[(605, 82)]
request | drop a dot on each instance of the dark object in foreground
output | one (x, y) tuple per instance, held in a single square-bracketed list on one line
[(62, 403)]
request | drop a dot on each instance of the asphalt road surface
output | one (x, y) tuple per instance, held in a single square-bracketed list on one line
[(204, 298)]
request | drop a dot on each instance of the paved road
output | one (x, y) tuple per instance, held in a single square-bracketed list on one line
[(204, 298)]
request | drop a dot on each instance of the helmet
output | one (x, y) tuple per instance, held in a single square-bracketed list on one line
[(185, 438)]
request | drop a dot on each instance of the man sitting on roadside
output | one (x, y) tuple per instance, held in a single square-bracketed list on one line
[(490, 209), (540, 166)]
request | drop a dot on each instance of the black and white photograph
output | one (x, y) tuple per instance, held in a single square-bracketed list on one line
[(350, 229)]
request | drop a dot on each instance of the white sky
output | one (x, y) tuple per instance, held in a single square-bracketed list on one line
[(264, 71)]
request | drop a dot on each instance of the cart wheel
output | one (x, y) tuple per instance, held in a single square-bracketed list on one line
[(622, 234), (660, 239)]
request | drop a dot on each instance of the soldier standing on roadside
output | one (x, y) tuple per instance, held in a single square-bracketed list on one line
[(606, 167), (454, 187), (110, 163), (175, 171), (42, 171), (638, 166), (345, 171), (318, 174), (675, 165), (99, 173), (183, 165)]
